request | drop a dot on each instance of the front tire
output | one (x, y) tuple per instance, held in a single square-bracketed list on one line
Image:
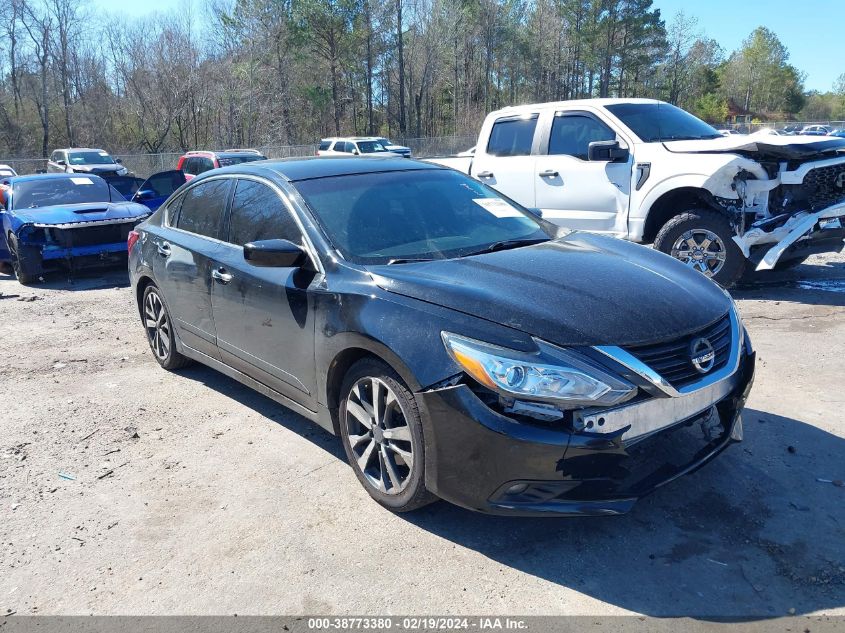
[(382, 435), (18, 268), (703, 240), (159, 328)]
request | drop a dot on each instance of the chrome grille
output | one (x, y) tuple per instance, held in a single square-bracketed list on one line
[(672, 359)]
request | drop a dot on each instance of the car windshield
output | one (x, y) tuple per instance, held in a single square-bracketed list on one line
[(370, 147), (389, 217), (225, 161), (654, 122), (95, 157), (45, 192), (384, 141)]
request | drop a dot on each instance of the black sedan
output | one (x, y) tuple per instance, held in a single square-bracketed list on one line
[(462, 347)]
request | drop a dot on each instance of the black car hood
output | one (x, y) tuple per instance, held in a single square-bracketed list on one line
[(581, 289)]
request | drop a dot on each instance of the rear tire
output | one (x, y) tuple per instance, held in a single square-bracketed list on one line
[(159, 328), (703, 240), (382, 435)]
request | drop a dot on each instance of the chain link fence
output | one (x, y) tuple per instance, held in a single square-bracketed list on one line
[(789, 126), (143, 165)]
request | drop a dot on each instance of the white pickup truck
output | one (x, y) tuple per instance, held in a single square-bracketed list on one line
[(648, 171)]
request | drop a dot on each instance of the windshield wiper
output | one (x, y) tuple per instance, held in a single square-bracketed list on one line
[(408, 260), (506, 244)]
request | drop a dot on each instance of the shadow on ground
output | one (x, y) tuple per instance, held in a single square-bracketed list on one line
[(90, 279), (751, 535), (812, 284)]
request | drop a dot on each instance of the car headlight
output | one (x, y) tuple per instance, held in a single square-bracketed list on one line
[(122, 171), (551, 375)]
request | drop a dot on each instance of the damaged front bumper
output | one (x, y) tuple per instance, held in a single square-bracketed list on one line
[(794, 237), (485, 461)]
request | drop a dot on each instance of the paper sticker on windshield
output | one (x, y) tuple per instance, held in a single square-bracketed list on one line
[(82, 181), (497, 207), (103, 153)]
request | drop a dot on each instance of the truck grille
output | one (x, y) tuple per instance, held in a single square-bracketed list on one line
[(672, 359), (825, 186)]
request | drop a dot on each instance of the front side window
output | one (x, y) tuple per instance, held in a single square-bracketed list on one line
[(202, 208), (204, 164), (189, 166), (164, 183), (259, 214), (370, 147), (572, 134), (374, 218), (512, 136)]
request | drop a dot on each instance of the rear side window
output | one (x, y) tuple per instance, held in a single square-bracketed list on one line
[(202, 208), (572, 134), (204, 164), (189, 166), (512, 137), (324, 145), (259, 214)]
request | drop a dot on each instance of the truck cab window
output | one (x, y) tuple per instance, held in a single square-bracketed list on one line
[(512, 136), (572, 134)]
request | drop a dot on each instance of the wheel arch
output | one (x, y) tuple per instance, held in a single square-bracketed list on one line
[(672, 203)]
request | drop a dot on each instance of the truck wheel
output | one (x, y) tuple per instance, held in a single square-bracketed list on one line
[(18, 267), (703, 240)]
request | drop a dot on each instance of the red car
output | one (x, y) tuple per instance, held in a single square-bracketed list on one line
[(195, 163)]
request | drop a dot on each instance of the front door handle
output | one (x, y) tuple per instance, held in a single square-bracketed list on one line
[(549, 173), (163, 249), (221, 276), (485, 174)]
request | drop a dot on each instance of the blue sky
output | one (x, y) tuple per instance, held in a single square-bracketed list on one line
[(811, 30)]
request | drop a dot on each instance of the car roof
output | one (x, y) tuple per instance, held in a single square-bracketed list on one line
[(80, 149), (604, 102), (58, 176), (307, 168), (352, 138)]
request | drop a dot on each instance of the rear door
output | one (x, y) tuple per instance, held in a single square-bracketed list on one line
[(264, 316), (506, 163), (573, 191), (183, 260), (157, 188)]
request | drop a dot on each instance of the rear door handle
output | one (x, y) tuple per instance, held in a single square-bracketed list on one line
[(485, 174), (163, 249), (221, 276), (549, 173)]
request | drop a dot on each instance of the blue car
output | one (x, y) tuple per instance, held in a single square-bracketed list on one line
[(63, 221)]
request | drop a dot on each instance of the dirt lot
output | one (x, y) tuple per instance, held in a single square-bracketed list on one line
[(125, 489)]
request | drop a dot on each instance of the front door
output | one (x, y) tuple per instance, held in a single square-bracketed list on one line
[(575, 192), (158, 188), (264, 316), (183, 260)]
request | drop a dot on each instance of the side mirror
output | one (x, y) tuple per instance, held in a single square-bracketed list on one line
[(535, 212), (274, 254), (119, 161), (607, 151), (61, 162), (145, 194), (355, 152)]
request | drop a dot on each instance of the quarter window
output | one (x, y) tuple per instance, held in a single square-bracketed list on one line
[(512, 137), (259, 214), (573, 133), (202, 208)]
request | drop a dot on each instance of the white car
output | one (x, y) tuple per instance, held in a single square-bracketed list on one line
[(647, 171), (390, 146), (85, 160), (7, 172), (339, 146)]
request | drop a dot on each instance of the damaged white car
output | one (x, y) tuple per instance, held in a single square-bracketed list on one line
[(650, 172)]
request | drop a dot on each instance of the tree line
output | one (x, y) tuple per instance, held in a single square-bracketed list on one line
[(245, 73)]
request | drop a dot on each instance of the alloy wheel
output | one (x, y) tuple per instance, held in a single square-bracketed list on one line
[(379, 435), (157, 325), (701, 250)]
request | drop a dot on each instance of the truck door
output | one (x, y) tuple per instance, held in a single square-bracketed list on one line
[(573, 191), (506, 163)]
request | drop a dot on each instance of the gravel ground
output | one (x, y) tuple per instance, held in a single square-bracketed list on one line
[(125, 489)]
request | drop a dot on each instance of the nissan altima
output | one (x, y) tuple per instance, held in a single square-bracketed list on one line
[(461, 347)]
